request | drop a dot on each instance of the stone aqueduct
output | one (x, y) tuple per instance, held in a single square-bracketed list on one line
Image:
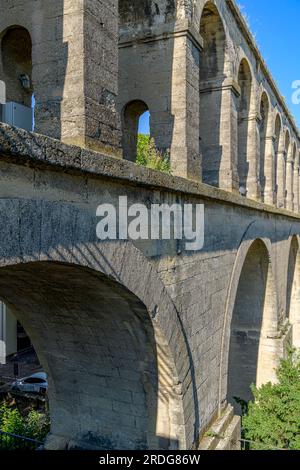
[(146, 344)]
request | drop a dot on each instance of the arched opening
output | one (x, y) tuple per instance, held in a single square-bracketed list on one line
[(111, 376), (254, 317), (287, 142), (296, 180), (288, 170), (293, 291), (136, 118), (23, 391), (264, 114), (294, 151), (144, 124), (16, 72), (13, 337), (212, 64), (278, 164), (245, 84)]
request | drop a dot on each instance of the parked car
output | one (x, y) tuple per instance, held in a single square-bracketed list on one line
[(35, 383)]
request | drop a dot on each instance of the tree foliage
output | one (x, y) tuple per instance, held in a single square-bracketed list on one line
[(34, 425), (149, 156), (273, 418)]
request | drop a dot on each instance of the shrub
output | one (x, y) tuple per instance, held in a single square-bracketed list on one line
[(273, 418), (150, 157), (34, 425), (11, 420)]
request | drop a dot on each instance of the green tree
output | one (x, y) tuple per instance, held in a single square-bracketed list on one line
[(11, 420), (273, 418), (37, 425), (150, 157), (34, 425)]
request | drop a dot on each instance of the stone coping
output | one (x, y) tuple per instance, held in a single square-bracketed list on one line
[(38, 151)]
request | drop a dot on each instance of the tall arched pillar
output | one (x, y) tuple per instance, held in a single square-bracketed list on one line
[(186, 159)]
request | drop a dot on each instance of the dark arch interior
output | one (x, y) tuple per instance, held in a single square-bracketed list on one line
[(293, 291), (287, 141), (292, 273), (276, 148), (212, 63), (264, 112), (245, 83), (277, 133), (16, 52), (96, 341), (253, 307), (213, 35)]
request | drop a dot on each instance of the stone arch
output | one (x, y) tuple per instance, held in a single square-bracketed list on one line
[(212, 75), (244, 107), (296, 181), (289, 171), (266, 156), (278, 126), (71, 277), (294, 150), (213, 34), (16, 64), (130, 120), (278, 160), (92, 317), (295, 178), (286, 147), (293, 289), (110, 371), (50, 79), (287, 139), (251, 320)]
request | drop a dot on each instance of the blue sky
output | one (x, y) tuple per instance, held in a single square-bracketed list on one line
[(144, 123), (275, 26)]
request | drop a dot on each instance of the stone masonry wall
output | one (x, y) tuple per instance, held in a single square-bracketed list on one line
[(202, 285)]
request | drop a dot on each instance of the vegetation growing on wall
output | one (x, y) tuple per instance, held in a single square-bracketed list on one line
[(149, 156), (272, 420)]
